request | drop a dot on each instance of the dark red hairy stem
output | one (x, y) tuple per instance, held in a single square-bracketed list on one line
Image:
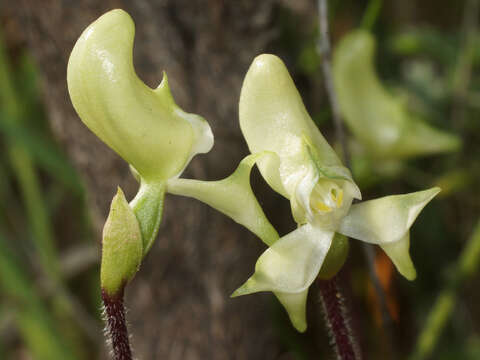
[(116, 326), (338, 321)]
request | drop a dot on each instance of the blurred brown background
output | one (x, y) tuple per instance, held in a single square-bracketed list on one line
[(179, 302)]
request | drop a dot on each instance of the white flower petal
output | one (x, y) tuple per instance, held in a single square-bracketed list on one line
[(273, 118), (387, 219), (296, 306), (232, 196), (398, 252), (291, 264)]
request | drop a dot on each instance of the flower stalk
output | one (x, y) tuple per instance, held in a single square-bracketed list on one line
[(337, 319), (325, 52), (116, 327)]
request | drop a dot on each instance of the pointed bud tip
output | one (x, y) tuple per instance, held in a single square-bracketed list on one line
[(299, 324)]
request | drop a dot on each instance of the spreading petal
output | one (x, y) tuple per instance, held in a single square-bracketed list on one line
[(296, 306), (232, 196), (387, 219), (291, 264), (398, 252), (143, 125), (386, 222)]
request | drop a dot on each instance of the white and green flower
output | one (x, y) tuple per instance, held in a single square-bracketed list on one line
[(143, 125), (306, 171), (158, 139)]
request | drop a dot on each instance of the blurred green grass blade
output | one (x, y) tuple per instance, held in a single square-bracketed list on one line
[(425, 41), (37, 214), (371, 14), (19, 115), (25, 173), (15, 104), (31, 316), (45, 154), (441, 311)]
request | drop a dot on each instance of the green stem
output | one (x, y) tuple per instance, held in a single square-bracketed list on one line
[(444, 304)]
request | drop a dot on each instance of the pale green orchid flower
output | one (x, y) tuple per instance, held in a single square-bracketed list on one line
[(143, 125), (379, 120), (306, 170)]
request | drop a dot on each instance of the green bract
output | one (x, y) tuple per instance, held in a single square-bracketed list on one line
[(320, 189), (378, 119), (122, 246)]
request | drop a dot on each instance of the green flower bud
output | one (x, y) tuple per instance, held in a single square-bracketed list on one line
[(122, 247)]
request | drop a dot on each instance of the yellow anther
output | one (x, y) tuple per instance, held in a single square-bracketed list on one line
[(338, 199), (322, 207)]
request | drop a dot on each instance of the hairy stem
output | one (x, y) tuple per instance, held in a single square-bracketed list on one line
[(338, 321), (116, 326), (324, 49)]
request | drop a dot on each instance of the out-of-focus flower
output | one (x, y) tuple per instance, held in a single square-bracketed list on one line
[(379, 120)]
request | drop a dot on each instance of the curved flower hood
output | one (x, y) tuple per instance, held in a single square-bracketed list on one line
[(307, 172), (143, 125)]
